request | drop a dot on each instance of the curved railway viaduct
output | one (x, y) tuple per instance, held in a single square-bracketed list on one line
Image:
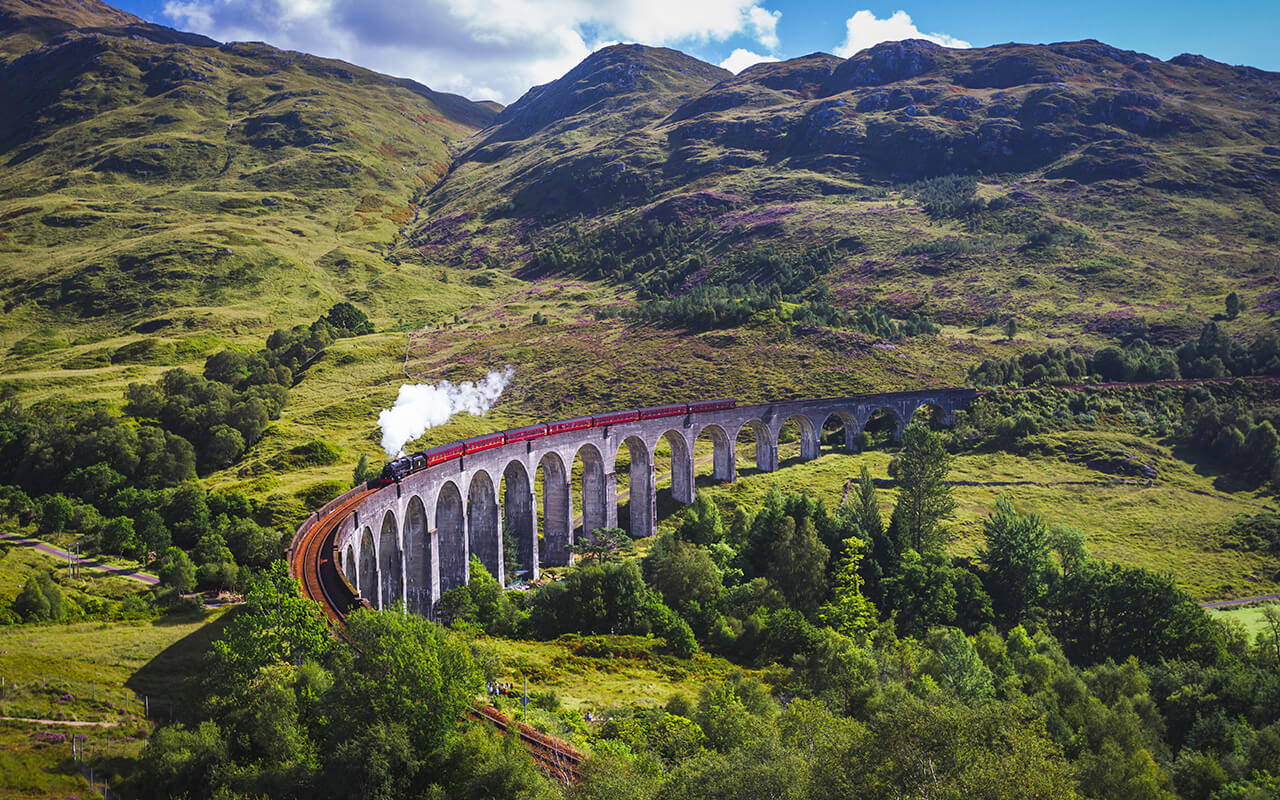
[(412, 541)]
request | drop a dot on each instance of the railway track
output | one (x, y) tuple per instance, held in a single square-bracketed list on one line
[(311, 561), (560, 761)]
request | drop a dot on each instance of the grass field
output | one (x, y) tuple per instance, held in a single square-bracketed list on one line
[(1250, 617), (113, 673)]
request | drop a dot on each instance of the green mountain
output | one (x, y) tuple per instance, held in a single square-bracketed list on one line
[(1077, 185), (164, 181)]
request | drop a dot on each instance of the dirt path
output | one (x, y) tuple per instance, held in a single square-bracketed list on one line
[(45, 547)]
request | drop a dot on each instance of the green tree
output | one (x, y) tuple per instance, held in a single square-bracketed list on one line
[(914, 749), (53, 594), (1071, 546), (57, 513), (151, 531), (1017, 556), (187, 514), (1262, 448), (684, 574), (348, 320), (399, 695), (184, 762), (1233, 305), (17, 505), (798, 564), (701, 523), (849, 611), (956, 665), (594, 598), (277, 625), (485, 766), (363, 472), (177, 571), (924, 498), (725, 721), (1011, 328), (922, 593), (117, 536), (867, 507), (224, 446), (603, 544)]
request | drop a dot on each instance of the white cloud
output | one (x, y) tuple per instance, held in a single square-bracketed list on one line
[(740, 59), (764, 24), (863, 30), (484, 49)]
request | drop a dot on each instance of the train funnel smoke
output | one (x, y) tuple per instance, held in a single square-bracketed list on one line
[(421, 406)]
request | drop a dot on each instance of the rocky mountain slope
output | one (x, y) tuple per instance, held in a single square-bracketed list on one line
[(1096, 184), (151, 178)]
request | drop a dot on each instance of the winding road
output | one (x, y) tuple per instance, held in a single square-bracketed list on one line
[(57, 552)]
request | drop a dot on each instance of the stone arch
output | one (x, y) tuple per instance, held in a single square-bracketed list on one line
[(766, 445), (681, 466), (898, 424), (367, 584), (349, 565), (849, 426), (484, 523), (391, 584), (808, 436), (557, 510), (937, 413), (595, 492), (419, 567), (451, 538), (641, 493), (519, 519), (723, 468)]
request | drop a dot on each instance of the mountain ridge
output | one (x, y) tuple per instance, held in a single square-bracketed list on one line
[(1080, 144)]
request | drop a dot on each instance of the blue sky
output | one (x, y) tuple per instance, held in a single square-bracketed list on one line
[(468, 47)]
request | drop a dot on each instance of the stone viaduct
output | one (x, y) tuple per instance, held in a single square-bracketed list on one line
[(410, 542)]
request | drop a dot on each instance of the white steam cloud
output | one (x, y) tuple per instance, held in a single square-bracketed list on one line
[(420, 406)]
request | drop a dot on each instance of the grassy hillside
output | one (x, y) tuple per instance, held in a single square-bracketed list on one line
[(174, 186)]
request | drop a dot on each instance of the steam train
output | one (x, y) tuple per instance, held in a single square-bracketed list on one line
[(399, 468)]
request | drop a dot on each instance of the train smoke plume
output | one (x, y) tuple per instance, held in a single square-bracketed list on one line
[(421, 406)]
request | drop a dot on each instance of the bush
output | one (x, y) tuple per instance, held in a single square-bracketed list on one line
[(40, 600), (347, 320)]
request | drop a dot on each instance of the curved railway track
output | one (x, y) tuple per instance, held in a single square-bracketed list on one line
[(311, 560)]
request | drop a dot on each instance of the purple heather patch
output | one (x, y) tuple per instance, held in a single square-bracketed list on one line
[(1268, 303)]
